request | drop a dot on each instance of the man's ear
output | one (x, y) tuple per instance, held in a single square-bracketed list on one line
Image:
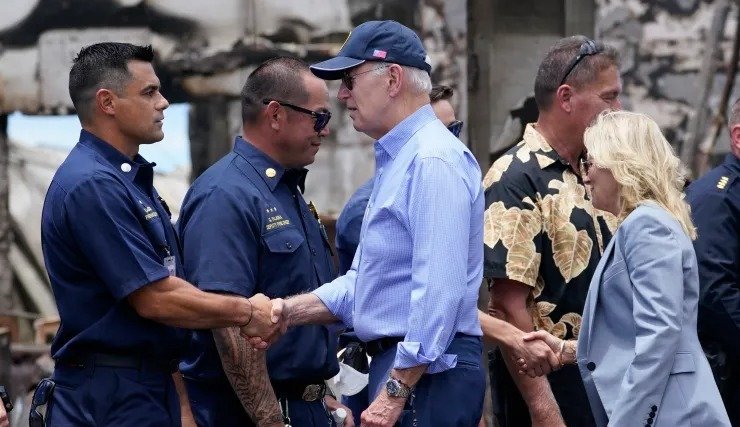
[(105, 100), (563, 98), (273, 114), (735, 138), (395, 79)]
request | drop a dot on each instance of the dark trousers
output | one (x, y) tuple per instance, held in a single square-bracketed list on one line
[(216, 405), (103, 396), (452, 398), (566, 384)]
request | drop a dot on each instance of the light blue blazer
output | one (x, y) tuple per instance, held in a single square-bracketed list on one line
[(638, 350)]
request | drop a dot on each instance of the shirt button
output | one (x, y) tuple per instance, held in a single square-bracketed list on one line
[(654, 408), (125, 167), (590, 366), (288, 245), (313, 251)]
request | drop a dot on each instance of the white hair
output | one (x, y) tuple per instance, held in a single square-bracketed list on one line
[(419, 81)]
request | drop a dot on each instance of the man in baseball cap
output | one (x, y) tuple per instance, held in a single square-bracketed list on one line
[(413, 301), (386, 41)]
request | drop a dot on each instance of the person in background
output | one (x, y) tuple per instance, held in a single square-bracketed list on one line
[(638, 351), (715, 208)]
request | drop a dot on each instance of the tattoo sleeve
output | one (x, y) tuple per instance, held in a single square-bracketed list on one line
[(246, 369)]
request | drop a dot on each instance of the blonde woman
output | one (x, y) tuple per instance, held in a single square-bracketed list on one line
[(638, 351)]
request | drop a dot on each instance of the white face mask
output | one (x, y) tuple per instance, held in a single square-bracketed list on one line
[(349, 381)]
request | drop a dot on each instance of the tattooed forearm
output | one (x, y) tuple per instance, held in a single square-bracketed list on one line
[(246, 369)]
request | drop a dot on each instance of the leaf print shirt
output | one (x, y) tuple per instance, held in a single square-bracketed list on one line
[(540, 229)]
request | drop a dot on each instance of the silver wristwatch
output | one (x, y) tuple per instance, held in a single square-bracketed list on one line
[(395, 388)]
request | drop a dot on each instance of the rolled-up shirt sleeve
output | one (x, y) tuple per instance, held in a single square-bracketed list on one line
[(439, 216)]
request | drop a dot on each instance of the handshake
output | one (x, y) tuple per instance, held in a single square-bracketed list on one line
[(267, 323), (539, 353)]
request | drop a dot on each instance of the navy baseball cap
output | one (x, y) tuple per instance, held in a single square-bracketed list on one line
[(386, 41)]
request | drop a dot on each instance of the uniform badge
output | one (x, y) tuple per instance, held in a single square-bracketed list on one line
[(324, 234), (270, 172), (723, 182)]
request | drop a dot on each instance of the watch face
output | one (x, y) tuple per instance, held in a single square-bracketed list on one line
[(392, 387)]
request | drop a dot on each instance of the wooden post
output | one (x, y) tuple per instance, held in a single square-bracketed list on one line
[(701, 161), (6, 234), (706, 79)]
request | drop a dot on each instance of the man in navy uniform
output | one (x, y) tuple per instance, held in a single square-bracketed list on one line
[(246, 228), (113, 259), (715, 207)]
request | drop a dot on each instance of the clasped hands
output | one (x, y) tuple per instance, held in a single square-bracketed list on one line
[(537, 353), (268, 321)]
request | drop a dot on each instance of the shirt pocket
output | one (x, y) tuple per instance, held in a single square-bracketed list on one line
[(284, 241)]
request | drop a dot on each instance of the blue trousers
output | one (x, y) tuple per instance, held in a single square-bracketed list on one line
[(357, 403), (452, 398), (112, 397), (216, 405)]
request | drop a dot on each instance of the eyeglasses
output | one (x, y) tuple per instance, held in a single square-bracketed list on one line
[(322, 117), (588, 48), (455, 127), (40, 397), (348, 80), (586, 165)]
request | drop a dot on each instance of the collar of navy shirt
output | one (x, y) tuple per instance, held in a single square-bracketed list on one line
[(261, 162)]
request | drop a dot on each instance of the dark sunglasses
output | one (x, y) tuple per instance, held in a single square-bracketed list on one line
[(40, 397), (322, 117), (586, 165), (588, 48), (348, 79), (455, 127)]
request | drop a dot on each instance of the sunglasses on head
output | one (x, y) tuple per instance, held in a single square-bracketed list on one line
[(40, 397), (349, 80), (455, 127), (322, 117), (588, 47)]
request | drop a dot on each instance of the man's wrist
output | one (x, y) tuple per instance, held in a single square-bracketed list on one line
[(568, 355), (249, 310)]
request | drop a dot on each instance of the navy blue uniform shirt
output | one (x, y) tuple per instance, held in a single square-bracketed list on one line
[(246, 229), (104, 235), (349, 225), (715, 209)]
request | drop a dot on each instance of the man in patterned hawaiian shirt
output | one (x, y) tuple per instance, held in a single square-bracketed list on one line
[(543, 238)]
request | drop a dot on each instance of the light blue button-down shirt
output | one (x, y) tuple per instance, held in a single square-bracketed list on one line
[(418, 268)]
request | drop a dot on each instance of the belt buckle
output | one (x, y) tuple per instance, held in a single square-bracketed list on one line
[(311, 393)]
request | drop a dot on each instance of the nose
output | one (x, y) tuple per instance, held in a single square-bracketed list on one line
[(324, 132), (343, 93), (163, 103), (617, 104)]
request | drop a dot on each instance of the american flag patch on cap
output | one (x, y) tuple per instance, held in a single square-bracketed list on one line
[(379, 53)]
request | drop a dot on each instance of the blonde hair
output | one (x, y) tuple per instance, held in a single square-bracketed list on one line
[(642, 161)]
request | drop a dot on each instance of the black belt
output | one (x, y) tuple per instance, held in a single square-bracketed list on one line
[(300, 390), (140, 363), (375, 347), (380, 345)]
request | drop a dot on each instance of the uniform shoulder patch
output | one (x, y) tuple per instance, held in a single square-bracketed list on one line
[(722, 183)]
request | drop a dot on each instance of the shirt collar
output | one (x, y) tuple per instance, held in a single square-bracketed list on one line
[(733, 162), (396, 138), (271, 172), (541, 149), (119, 161)]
